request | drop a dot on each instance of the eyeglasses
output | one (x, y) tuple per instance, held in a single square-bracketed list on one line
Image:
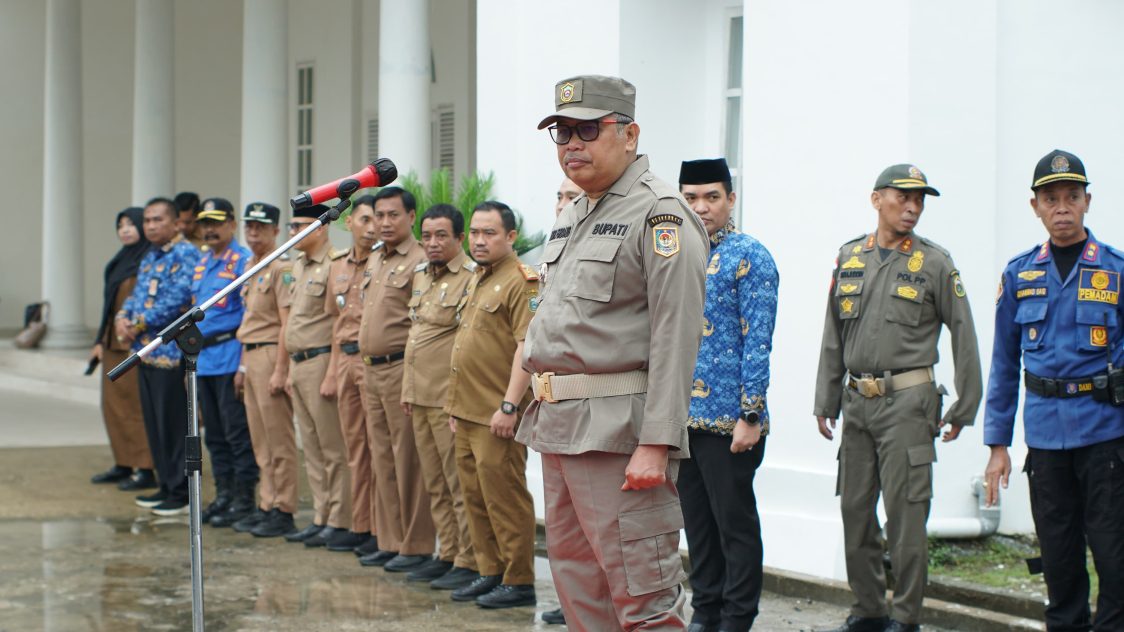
[(298, 226), (587, 131)]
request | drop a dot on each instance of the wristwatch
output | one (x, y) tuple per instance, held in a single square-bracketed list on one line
[(750, 417), (508, 408)]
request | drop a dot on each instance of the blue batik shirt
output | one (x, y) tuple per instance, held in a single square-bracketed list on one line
[(1056, 328), (732, 371), (214, 272), (162, 294)]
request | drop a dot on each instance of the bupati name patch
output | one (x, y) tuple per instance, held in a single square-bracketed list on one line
[(561, 233), (1028, 292), (1101, 286), (614, 230)]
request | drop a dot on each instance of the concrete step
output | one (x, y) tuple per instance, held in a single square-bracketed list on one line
[(57, 374)]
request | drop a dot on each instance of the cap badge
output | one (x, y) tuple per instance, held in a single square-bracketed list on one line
[(566, 92), (1059, 164), (914, 172), (258, 208)]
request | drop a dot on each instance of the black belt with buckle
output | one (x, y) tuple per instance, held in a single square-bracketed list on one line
[(384, 359), (217, 339), (1064, 388), (350, 348), (250, 346), (308, 354)]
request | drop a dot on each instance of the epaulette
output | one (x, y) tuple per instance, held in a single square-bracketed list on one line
[(848, 243), (336, 254), (528, 272), (469, 265), (1119, 254), (662, 189), (1024, 253), (421, 267), (935, 246)]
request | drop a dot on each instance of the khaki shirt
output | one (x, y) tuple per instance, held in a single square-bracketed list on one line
[(440, 293), (501, 300), (344, 299), (263, 296), (624, 290), (887, 315), (387, 284), (309, 325)]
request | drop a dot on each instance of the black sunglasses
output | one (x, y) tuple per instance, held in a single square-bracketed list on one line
[(587, 131)]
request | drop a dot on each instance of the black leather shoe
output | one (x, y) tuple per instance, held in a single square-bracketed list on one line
[(304, 534), (112, 475), (151, 500), (456, 578), (141, 479), (276, 523), (346, 541), (405, 563), (224, 494), (321, 539), (367, 548), (482, 585), (855, 623), (898, 626), (507, 596), (556, 617), (429, 571), (247, 523), (378, 558), (699, 627)]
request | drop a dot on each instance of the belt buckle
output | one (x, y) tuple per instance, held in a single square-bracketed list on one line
[(868, 385), (543, 388), (368, 360)]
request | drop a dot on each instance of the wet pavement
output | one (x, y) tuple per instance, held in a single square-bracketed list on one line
[(76, 556)]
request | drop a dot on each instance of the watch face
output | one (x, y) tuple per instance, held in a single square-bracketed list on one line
[(507, 408)]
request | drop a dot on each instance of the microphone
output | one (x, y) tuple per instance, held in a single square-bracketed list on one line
[(377, 174)]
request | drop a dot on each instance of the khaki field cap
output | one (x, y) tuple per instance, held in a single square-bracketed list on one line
[(589, 97), (904, 177)]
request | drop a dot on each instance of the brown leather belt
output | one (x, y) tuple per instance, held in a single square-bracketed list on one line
[(869, 386)]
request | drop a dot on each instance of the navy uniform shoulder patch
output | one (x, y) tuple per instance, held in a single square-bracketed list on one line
[(665, 218), (337, 254), (528, 272)]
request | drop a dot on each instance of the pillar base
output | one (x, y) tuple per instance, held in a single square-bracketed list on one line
[(67, 337)]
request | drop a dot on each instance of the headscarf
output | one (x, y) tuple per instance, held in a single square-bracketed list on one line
[(123, 265)]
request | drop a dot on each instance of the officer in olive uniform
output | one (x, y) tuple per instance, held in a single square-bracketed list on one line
[(308, 341), (612, 348), (890, 293)]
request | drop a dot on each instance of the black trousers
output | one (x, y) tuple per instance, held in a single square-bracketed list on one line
[(1077, 498), (723, 531), (164, 406), (226, 433)]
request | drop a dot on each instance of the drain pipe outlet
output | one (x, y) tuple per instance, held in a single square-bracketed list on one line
[(985, 523)]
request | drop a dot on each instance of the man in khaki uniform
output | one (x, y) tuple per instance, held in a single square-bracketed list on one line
[(308, 341), (262, 374), (613, 350), (344, 302), (487, 388), (403, 522), (890, 293), (440, 287)]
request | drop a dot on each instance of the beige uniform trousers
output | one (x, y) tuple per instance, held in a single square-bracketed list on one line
[(614, 555), (403, 522), (446, 503), (324, 455), (270, 418), (352, 404), (501, 512), (121, 409)]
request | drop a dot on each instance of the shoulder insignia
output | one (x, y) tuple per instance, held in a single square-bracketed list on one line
[(665, 218), (935, 246), (1028, 251), (1002, 283), (665, 241), (528, 272), (421, 267), (337, 254), (957, 286)]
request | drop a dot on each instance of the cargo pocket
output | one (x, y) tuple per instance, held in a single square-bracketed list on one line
[(595, 269), (906, 310), (1032, 316), (921, 459), (649, 544)]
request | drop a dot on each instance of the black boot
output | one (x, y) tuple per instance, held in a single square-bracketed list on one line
[(241, 506), (224, 493)]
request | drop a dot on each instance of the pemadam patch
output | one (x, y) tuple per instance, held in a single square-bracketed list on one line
[(1101, 286), (665, 241)]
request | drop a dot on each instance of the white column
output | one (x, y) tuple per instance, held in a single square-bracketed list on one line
[(62, 177), (265, 147), (404, 78), (153, 160)]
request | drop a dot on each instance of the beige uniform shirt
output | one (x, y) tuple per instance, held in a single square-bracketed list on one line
[(501, 300), (263, 295), (309, 325), (386, 285), (624, 290), (886, 315), (344, 299), (440, 293)]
